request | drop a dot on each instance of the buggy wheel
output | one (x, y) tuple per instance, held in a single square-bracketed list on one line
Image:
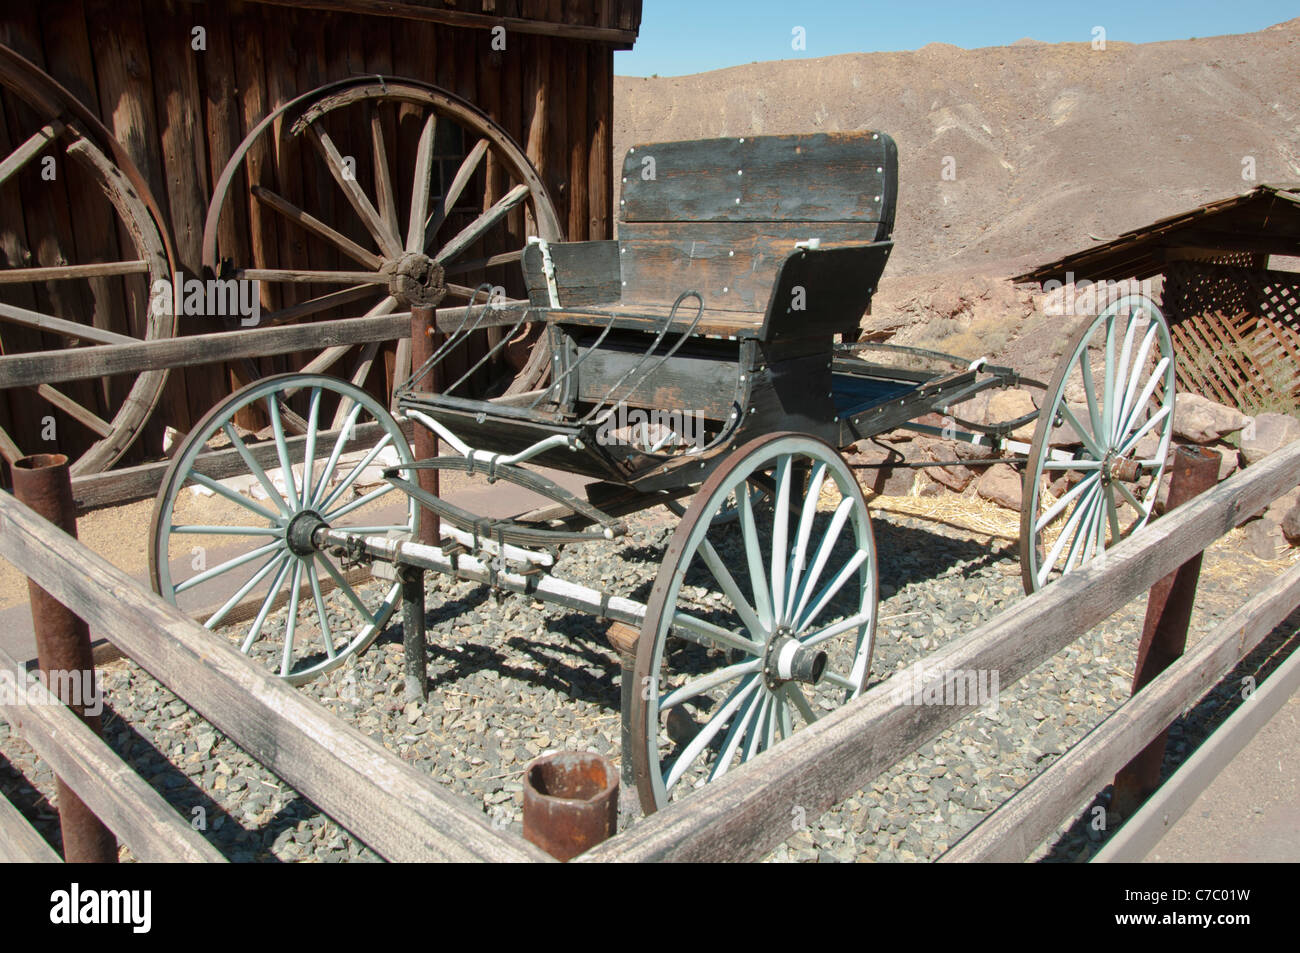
[(243, 558), (376, 178), (1101, 441), (757, 625)]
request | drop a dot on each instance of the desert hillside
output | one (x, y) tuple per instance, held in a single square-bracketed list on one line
[(1051, 142)]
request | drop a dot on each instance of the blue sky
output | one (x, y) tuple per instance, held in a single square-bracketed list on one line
[(690, 36)]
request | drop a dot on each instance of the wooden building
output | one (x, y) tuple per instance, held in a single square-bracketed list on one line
[(179, 85), (1234, 315)]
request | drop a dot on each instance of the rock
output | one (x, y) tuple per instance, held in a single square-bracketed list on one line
[(1198, 419), (1008, 405), (1266, 434), (955, 478), (1001, 485), (1291, 525), (1228, 460), (1263, 540), (883, 481)]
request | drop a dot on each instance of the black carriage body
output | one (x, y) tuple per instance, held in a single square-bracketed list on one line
[(782, 241)]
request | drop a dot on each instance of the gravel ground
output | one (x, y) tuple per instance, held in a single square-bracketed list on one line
[(514, 678)]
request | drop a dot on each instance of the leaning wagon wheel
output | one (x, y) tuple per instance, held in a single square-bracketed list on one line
[(1101, 442), (374, 174), (239, 552), (757, 625), (80, 251)]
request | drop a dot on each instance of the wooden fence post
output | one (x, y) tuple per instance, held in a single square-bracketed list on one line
[(43, 483), (1164, 633)]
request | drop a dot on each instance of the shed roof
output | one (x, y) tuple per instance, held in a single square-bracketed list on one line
[(1263, 220)]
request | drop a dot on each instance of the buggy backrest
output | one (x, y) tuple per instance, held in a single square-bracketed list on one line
[(721, 215)]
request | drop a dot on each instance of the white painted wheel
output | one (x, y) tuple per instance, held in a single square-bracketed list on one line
[(241, 557), (756, 625), (1101, 441)]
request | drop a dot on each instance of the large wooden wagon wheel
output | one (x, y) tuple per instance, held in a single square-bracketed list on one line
[(756, 625), (1101, 441), (377, 180), (81, 250)]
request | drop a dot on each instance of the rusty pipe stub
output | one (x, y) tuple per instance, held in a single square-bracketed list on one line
[(570, 802)]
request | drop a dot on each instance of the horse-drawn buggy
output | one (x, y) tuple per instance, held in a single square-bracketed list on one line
[(705, 361)]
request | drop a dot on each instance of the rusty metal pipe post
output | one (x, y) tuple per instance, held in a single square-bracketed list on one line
[(570, 802), (43, 483), (1164, 632), (425, 444), (415, 648)]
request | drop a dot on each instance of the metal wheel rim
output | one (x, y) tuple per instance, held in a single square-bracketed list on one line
[(296, 117), (275, 557), (747, 733), (98, 156), (1119, 407)]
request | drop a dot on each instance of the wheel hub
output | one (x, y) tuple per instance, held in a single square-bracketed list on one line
[(415, 279), (786, 659), (301, 532), (1116, 467)]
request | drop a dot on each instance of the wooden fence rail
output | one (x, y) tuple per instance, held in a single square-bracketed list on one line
[(400, 813), (405, 816), (746, 813)]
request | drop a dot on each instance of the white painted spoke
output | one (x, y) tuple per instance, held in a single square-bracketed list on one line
[(706, 683), (1084, 540), (1132, 441), (1133, 501), (1121, 372), (282, 450), (356, 471), (780, 528), (1108, 388), (339, 443), (837, 628), (1128, 406), (225, 567), (1067, 532), (228, 530), (715, 635), (800, 701), (309, 453), (286, 660), (348, 592), (1057, 508), (806, 519), (225, 491), (754, 743), (700, 742), (831, 588), (1089, 392), (1083, 465), (1089, 441), (1147, 391), (824, 550), (1112, 514), (754, 554), (358, 503), (835, 678), (271, 564), (735, 734), (319, 598), (256, 469), (267, 603), (729, 587)]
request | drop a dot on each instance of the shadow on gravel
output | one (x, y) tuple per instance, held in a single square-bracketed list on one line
[(31, 803), (1188, 733), (223, 831)]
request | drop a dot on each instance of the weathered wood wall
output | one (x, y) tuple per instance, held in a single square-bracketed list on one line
[(181, 113)]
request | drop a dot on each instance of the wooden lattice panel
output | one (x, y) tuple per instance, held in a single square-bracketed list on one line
[(1237, 334)]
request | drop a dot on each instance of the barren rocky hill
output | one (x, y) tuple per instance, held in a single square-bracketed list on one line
[(1051, 142)]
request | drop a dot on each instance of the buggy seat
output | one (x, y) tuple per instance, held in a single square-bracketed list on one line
[(781, 236)]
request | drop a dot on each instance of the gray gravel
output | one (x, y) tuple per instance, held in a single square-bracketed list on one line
[(512, 679)]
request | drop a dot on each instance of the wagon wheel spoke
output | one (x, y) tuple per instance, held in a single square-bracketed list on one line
[(422, 185), (101, 269), (76, 411), (457, 186), (477, 228), (374, 226), (55, 325), (285, 583), (383, 172), (28, 150), (310, 222), (1108, 470), (756, 586), (370, 218)]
